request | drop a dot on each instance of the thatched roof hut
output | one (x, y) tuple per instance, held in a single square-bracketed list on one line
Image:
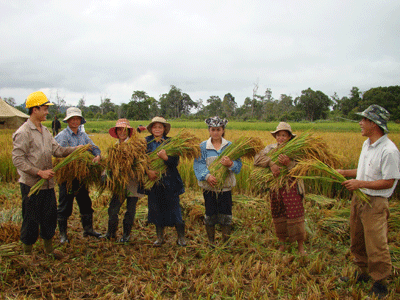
[(10, 117)]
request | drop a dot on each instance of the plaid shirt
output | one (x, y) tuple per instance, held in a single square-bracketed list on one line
[(67, 138)]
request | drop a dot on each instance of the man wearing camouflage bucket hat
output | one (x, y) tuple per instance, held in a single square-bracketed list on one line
[(376, 176)]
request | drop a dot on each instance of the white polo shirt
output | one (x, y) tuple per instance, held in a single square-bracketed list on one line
[(381, 160)]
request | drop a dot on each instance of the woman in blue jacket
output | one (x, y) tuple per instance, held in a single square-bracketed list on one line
[(218, 203)]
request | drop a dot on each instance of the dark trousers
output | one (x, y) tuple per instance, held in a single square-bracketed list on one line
[(39, 214), (218, 203), (66, 200), (115, 206)]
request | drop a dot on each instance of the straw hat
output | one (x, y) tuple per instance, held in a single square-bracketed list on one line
[(74, 112), (283, 126), (121, 123), (162, 121)]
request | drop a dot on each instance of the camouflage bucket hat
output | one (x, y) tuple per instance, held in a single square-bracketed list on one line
[(216, 122), (378, 115)]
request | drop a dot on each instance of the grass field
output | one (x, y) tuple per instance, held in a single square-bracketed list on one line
[(250, 267)]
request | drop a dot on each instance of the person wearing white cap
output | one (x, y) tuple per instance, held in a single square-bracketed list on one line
[(73, 136)]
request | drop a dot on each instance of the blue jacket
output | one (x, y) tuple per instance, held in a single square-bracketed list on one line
[(208, 155), (171, 181)]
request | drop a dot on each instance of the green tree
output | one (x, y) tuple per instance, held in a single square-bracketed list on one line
[(175, 103), (315, 104), (387, 97), (214, 106), (141, 106), (106, 105), (228, 106)]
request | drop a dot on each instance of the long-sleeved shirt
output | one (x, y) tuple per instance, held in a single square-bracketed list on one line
[(32, 152), (68, 138), (208, 155)]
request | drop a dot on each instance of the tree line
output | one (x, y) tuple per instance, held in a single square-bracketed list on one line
[(309, 106)]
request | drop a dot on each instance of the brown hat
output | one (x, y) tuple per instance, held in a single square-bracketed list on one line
[(121, 123), (283, 126), (162, 121)]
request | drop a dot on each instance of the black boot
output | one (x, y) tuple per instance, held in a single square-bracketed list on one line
[(87, 224), (226, 232), (210, 229), (62, 226), (180, 229), (127, 233), (160, 236), (111, 231)]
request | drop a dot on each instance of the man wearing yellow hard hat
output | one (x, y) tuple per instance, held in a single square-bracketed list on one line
[(33, 148)]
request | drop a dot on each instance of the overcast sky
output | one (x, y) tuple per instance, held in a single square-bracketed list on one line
[(111, 48)]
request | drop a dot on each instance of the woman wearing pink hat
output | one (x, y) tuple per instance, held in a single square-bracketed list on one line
[(123, 132)]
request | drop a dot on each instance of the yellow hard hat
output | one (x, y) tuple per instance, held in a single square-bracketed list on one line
[(37, 99)]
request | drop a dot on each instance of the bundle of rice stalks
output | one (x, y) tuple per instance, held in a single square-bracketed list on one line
[(125, 161), (243, 147), (8, 249), (82, 169), (304, 146), (315, 169), (320, 199), (184, 144), (70, 158)]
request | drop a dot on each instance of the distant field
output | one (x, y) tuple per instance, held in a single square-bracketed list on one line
[(103, 126)]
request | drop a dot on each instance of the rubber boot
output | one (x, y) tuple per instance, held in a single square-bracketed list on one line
[(111, 231), (48, 248), (126, 236), (62, 226), (87, 224), (160, 236), (226, 232), (210, 229), (180, 229), (27, 249)]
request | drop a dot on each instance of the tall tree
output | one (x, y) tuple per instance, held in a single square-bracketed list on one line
[(175, 103), (214, 106), (314, 103), (81, 103), (387, 97), (228, 105), (106, 105), (10, 101)]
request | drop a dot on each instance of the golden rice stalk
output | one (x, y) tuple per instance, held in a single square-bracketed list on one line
[(243, 147), (124, 162), (320, 199), (304, 146), (8, 249), (306, 170), (74, 155), (184, 144), (82, 169)]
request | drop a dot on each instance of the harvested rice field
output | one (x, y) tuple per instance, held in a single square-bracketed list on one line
[(248, 267)]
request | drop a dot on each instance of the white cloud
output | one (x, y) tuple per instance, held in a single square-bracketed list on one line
[(204, 47)]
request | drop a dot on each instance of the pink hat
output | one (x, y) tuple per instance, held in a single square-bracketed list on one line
[(121, 123)]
